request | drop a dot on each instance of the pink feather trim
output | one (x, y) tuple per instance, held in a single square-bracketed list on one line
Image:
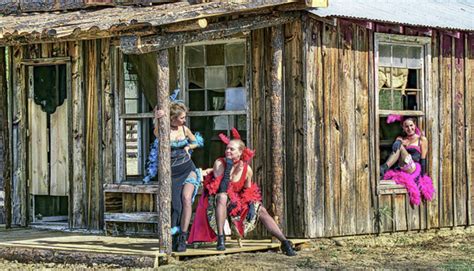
[(407, 180), (426, 187), (394, 118)]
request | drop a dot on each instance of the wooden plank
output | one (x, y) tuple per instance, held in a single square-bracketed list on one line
[(331, 127), (38, 145), (373, 123), (347, 129), (59, 151), (257, 110), (139, 45), (385, 212), (20, 124), (78, 137), (433, 129), (108, 113), (5, 138), (362, 131), (314, 153), (293, 121), (276, 125), (137, 217), (399, 212), (164, 169), (459, 112), (446, 157), (469, 89), (129, 188)]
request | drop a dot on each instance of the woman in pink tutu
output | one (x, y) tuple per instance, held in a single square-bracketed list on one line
[(409, 154)]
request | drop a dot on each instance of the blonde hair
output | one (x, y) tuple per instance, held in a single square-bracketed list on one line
[(176, 109), (239, 142)]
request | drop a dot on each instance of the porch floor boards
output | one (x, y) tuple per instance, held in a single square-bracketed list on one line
[(60, 241)]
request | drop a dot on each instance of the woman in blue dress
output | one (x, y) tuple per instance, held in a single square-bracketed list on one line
[(186, 178)]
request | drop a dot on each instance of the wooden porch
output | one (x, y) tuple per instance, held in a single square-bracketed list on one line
[(35, 245)]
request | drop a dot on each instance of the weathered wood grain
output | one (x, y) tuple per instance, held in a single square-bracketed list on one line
[(59, 185), (164, 167)]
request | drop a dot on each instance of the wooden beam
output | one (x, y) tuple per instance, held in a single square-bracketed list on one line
[(5, 140), (141, 45), (186, 26), (317, 3), (138, 217), (131, 188), (276, 98), (164, 168)]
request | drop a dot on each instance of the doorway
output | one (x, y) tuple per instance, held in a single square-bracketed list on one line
[(48, 133)]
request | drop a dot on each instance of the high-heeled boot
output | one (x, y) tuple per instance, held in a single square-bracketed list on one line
[(287, 248), (182, 237), (220, 242)]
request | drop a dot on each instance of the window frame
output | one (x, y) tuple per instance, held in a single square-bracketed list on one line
[(247, 75), (425, 81), (121, 117)]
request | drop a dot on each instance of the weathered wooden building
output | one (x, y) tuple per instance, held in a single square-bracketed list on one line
[(309, 89)]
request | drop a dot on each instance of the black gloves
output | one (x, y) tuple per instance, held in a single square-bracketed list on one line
[(225, 180), (396, 145), (423, 167)]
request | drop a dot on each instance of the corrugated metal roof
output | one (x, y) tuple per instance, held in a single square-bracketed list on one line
[(450, 14)]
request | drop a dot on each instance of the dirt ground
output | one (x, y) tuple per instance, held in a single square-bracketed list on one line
[(445, 249)]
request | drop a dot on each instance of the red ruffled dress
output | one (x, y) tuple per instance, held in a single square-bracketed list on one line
[(240, 199)]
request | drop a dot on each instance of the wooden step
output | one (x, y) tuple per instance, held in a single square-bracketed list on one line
[(390, 187), (131, 188), (138, 217)]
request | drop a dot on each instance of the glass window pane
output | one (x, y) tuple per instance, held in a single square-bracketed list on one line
[(194, 56), (216, 99), (414, 59), (235, 76), (241, 124), (131, 89), (215, 77), (385, 99), (196, 78), (385, 53), (196, 100), (221, 123), (235, 53), (131, 106), (399, 56), (132, 145), (215, 54), (235, 99)]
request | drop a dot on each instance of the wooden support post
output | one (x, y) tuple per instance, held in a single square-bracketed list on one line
[(164, 168), (5, 139), (276, 123)]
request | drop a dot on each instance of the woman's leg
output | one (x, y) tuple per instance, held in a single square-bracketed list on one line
[(186, 199), (406, 161), (270, 224), (221, 212)]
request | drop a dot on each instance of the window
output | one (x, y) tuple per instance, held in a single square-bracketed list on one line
[(214, 80), (401, 83), (138, 95)]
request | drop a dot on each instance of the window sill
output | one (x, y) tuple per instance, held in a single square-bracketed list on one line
[(390, 187)]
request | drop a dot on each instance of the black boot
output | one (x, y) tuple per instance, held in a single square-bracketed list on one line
[(287, 248), (220, 242), (174, 242), (182, 237), (383, 169)]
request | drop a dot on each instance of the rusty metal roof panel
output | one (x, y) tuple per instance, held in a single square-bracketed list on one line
[(451, 14)]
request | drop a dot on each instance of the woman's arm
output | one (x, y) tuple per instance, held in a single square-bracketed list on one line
[(424, 147), (248, 180), (192, 138), (218, 168)]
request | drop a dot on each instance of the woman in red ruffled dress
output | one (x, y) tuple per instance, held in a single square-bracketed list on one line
[(229, 192)]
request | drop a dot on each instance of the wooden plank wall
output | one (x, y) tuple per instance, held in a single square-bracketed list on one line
[(340, 179), (292, 121), (90, 151)]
